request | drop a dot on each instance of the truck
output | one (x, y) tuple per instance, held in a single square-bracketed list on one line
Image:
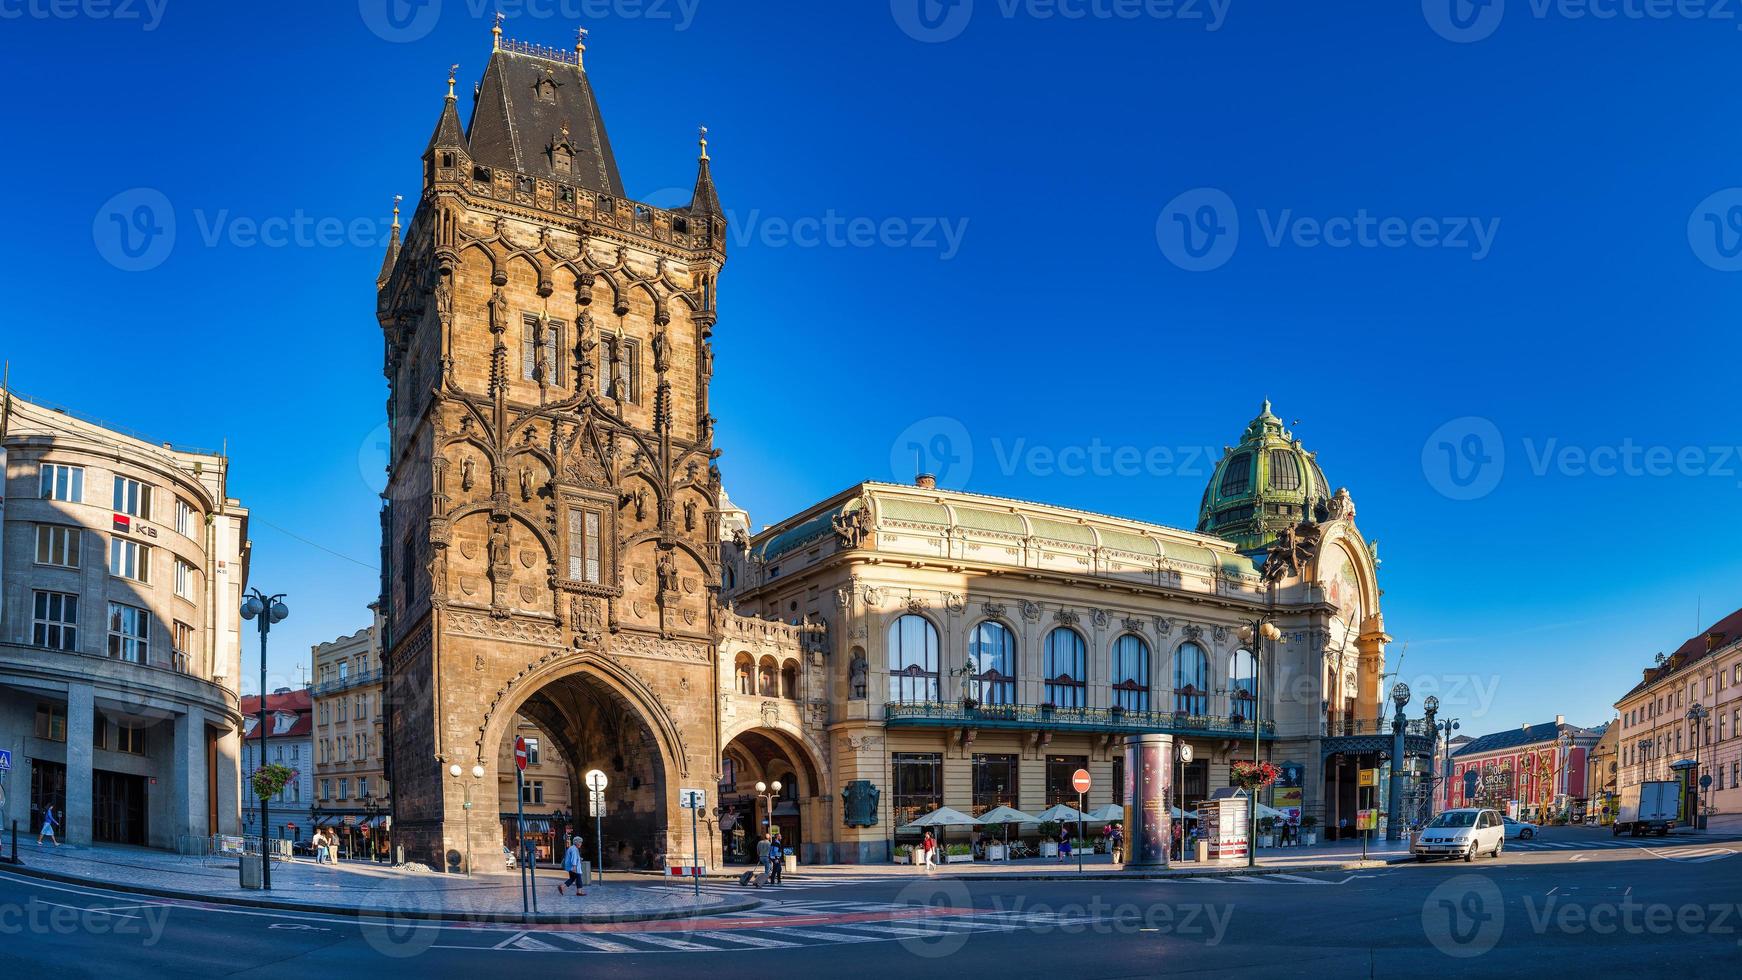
[(1647, 807)]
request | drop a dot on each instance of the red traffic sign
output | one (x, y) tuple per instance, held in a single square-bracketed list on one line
[(520, 753), (1080, 780)]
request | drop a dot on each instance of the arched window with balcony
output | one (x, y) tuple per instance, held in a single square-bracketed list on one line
[(1191, 680), (789, 680), (913, 659), (767, 678), (1242, 685), (1131, 673), (744, 672), (1066, 657), (992, 663)]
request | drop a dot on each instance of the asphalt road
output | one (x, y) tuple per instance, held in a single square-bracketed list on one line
[(1625, 908)]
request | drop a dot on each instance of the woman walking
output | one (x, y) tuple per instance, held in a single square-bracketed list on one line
[(572, 864), (49, 823)]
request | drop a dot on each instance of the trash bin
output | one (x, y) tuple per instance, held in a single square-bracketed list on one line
[(250, 865), (1203, 851)]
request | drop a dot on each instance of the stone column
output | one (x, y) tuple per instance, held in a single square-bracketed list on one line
[(188, 775), (229, 783), (77, 806)]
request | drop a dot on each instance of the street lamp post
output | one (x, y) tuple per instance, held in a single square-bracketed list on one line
[(477, 773), (1394, 808), (265, 610), (1259, 631), (768, 793), (1697, 715)]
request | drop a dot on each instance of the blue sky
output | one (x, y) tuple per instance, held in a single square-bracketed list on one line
[(1481, 258)]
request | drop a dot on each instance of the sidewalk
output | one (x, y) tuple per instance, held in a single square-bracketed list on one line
[(1341, 856), (364, 889)]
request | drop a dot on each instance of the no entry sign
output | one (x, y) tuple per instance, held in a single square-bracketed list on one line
[(1080, 780), (520, 753)]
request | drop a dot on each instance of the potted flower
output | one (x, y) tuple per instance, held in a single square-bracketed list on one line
[(1049, 838), (969, 703), (1309, 834), (957, 853), (1048, 708), (997, 852)]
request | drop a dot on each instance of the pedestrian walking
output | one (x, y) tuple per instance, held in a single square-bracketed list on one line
[(1064, 843), (1116, 843), (572, 864), (762, 848), (49, 824), (930, 846), (776, 859)]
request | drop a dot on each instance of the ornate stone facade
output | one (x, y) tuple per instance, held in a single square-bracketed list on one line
[(550, 530)]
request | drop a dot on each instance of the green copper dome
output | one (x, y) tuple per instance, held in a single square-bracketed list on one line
[(1264, 484)]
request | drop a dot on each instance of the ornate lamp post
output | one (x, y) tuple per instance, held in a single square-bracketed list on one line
[(266, 610), (1260, 630), (768, 793), (1394, 809), (477, 774)]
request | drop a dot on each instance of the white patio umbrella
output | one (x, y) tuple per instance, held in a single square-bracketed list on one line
[(1005, 815), (942, 817), (1179, 814), (1062, 813), (1110, 811)]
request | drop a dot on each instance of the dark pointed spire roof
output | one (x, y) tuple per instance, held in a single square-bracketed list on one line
[(530, 100), (448, 132), (392, 255), (705, 200)]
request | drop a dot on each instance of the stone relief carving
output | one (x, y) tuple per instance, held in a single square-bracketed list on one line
[(1031, 611), (993, 610), (1099, 618), (1067, 617)]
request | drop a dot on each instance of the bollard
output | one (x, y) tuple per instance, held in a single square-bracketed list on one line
[(15, 844)]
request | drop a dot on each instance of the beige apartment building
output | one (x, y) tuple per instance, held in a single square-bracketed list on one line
[(122, 564), (1683, 721), (352, 797)]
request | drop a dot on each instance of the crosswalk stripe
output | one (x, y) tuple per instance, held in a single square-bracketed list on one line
[(533, 945), (760, 942), (1301, 879), (593, 941), (668, 942), (896, 930), (831, 937)]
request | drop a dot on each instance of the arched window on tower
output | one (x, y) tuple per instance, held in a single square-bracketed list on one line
[(1065, 656), (789, 680), (767, 678)]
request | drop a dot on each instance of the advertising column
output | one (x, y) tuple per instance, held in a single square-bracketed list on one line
[(1148, 788)]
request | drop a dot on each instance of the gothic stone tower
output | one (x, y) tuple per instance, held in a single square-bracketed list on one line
[(550, 528)]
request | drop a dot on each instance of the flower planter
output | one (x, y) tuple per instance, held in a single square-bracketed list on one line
[(1266, 840), (997, 852), (1049, 849), (1309, 837), (958, 858)]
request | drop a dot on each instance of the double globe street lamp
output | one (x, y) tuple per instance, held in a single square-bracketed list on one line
[(1261, 629), (264, 610)]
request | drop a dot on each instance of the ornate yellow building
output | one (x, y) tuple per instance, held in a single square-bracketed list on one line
[(552, 548)]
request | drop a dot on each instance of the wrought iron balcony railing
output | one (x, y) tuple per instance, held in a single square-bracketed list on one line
[(1338, 727), (358, 679), (1067, 719)]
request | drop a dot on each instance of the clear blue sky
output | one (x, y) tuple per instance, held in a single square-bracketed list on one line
[(1065, 157)]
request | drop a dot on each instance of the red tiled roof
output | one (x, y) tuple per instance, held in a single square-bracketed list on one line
[(1729, 630), (296, 701)]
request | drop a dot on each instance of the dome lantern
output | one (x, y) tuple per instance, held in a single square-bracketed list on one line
[(1267, 482)]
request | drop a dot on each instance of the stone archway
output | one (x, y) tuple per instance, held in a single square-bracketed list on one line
[(599, 718), (802, 811)]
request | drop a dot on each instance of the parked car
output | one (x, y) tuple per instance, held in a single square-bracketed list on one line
[(1463, 833), (1521, 829)]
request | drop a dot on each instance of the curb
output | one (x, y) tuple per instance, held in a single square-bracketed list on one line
[(472, 918), (1160, 875)]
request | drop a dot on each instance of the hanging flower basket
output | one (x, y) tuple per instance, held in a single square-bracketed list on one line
[(1252, 776)]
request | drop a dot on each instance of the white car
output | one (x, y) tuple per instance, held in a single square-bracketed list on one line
[(1461, 833), (1520, 829)]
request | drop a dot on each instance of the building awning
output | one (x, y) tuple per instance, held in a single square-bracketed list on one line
[(728, 821), (534, 825), (326, 822)]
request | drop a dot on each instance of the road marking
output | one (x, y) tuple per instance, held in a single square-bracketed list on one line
[(533, 945), (81, 908), (760, 942), (668, 942), (832, 937), (592, 941)]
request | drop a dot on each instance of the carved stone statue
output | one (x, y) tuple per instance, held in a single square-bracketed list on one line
[(660, 350), (498, 311), (466, 479), (525, 484), (1294, 549), (851, 527), (857, 672), (1342, 505), (689, 515), (667, 572)]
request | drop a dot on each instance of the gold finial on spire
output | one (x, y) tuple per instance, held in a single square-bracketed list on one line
[(453, 72), (581, 47), (396, 199), (496, 33), (704, 142)]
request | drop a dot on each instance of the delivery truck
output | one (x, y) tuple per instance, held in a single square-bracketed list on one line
[(1648, 807)]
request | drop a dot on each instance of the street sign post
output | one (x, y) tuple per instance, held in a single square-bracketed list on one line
[(520, 825), (695, 801), (596, 782), (1080, 783)]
